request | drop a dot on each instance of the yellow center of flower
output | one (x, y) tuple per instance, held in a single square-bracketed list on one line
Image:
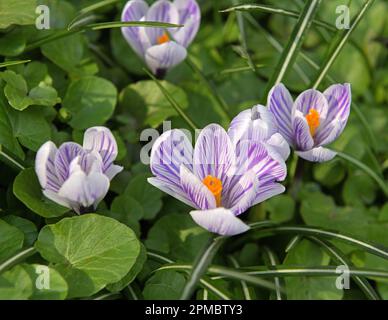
[(313, 121), (215, 186), (163, 38)]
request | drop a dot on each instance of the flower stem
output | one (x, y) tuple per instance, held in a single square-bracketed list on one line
[(298, 177), (17, 258), (200, 266)]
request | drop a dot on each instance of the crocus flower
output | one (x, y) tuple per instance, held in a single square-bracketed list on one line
[(78, 177), (314, 120), (161, 49), (217, 178), (258, 124)]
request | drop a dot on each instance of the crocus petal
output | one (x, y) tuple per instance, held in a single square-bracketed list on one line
[(196, 191), (172, 190), (45, 167), (220, 221), (265, 162), (256, 124), (190, 17), (84, 191), (339, 100), (280, 145), (65, 155), (302, 136), (53, 196), (135, 10), (319, 154), (243, 193), (312, 99), (268, 191), (113, 170), (101, 140), (169, 152), (165, 56), (214, 154), (280, 103), (161, 11)]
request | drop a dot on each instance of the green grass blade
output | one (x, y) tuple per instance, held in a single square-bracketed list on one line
[(13, 63), (244, 285), (337, 48), (173, 103), (341, 258), (292, 48), (200, 266), (366, 169), (273, 261), (321, 233), (11, 160), (273, 10)]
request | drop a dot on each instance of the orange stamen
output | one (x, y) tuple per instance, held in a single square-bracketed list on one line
[(215, 186), (163, 38), (313, 121)]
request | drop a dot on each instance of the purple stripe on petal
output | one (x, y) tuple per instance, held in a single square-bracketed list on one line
[(312, 99), (65, 155), (196, 191), (302, 136), (280, 103), (214, 154), (190, 17), (267, 191)]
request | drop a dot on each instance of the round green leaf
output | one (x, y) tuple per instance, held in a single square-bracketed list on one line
[(89, 251), (11, 240), (48, 284), (15, 284), (91, 101), (27, 189)]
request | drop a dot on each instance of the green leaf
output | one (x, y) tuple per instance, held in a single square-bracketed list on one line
[(178, 236), (305, 253), (21, 12), (28, 190), (164, 285), (89, 251), (19, 97), (145, 194), (127, 205), (48, 283), (26, 226), (329, 173), (146, 95), (91, 101), (281, 208), (11, 240), (66, 53), (359, 189), (131, 275), (12, 43), (15, 284)]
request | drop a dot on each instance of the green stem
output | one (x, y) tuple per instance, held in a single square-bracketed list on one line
[(200, 267), (21, 256), (292, 48), (244, 285), (341, 258), (273, 261)]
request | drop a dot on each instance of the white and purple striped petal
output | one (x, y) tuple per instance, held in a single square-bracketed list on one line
[(101, 140), (196, 191), (45, 167), (302, 137), (214, 154), (170, 151), (319, 154), (220, 221), (280, 145), (135, 10), (280, 103), (190, 18), (267, 191), (311, 99), (162, 57), (161, 11), (67, 152), (257, 124)]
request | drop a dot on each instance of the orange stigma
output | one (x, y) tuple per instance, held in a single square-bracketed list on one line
[(163, 38), (313, 121), (215, 186)]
